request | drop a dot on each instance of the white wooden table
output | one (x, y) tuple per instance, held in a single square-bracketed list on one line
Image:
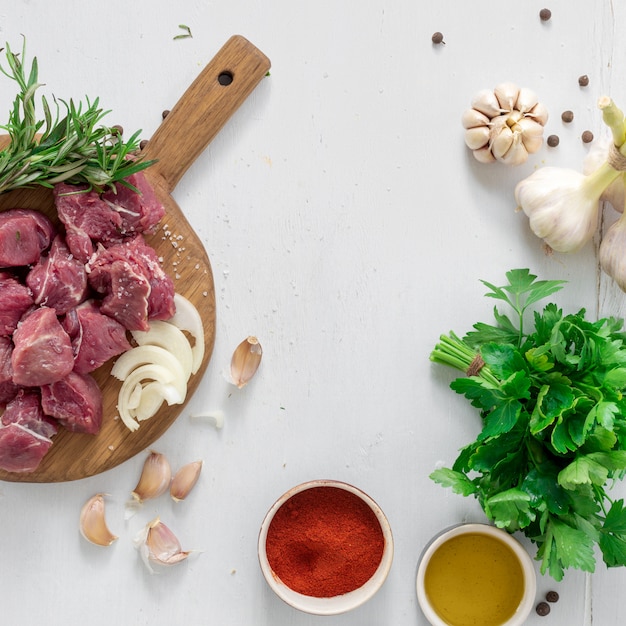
[(347, 226)]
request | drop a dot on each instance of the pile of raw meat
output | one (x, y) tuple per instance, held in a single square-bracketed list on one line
[(68, 296)]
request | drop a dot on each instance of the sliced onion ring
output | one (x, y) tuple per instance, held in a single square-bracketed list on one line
[(187, 317)]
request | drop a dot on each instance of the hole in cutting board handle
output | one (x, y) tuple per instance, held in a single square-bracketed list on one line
[(225, 78)]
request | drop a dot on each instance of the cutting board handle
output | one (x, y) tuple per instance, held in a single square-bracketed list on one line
[(209, 102)]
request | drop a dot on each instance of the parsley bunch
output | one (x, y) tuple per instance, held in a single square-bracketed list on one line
[(553, 434)]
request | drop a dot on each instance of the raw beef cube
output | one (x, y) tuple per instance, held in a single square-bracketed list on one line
[(24, 235), (87, 218), (96, 337), (42, 352), (8, 389), (75, 401), (15, 300), (58, 280), (140, 212), (25, 433)]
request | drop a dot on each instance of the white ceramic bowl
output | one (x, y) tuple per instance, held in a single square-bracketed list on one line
[(528, 570), (335, 604)]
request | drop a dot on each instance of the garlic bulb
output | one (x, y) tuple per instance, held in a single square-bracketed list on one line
[(504, 124), (93, 526), (611, 253), (563, 205), (158, 546), (615, 193)]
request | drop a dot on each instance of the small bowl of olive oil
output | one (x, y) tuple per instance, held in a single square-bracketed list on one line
[(476, 575)]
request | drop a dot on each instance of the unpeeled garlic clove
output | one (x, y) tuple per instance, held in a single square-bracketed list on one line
[(517, 153), (502, 142), (539, 113), (484, 155), (526, 100), (184, 480), (245, 361), (532, 134), (159, 546), (486, 102), (507, 94), (476, 138), (93, 526), (155, 478), (472, 118)]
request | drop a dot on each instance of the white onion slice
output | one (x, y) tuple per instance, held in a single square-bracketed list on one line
[(187, 317), (169, 337), (153, 394)]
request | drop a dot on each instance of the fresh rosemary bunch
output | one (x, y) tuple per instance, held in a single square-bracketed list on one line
[(74, 149)]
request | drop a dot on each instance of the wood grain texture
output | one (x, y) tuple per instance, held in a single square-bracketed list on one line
[(197, 117)]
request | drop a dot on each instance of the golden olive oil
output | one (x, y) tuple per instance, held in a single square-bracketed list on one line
[(474, 580)]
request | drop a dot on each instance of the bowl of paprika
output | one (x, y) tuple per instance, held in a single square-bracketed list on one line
[(325, 547)]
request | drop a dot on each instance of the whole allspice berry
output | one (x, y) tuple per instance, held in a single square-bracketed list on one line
[(545, 14), (567, 116), (587, 136), (437, 38), (543, 608), (553, 141), (583, 80), (552, 596)]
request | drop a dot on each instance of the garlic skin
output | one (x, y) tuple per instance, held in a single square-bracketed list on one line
[(615, 193), (93, 526), (185, 480), (611, 252), (563, 205), (504, 124), (245, 361), (158, 546), (155, 478)]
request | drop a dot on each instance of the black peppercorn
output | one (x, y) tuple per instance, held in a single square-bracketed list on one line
[(587, 136), (543, 608), (143, 143), (552, 596), (165, 113), (567, 116), (437, 38), (583, 80), (553, 141), (545, 14)]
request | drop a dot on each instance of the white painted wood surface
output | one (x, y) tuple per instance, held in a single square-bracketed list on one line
[(348, 226)]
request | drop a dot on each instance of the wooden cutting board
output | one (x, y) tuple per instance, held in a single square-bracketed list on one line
[(202, 111)]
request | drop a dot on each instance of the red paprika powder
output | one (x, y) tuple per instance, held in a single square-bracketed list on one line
[(324, 541)]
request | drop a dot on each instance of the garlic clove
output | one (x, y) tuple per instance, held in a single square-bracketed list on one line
[(486, 102), (245, 361), (507, 94), (158, 546), (484, 155), (472, 118), (526, 100), (184, 480), (502, 142), (539, 113), (517, 153), (532, 134), (93, 526), (476, 138), (611, 252), (155, 478)]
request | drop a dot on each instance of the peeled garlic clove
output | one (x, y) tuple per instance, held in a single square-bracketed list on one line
[(245, 361), (532, 134), (507, 94), (539, 113), (502, 142), (526, 100), (93, 525), (486, 102), (184, 480), (159, 546), (476, 138), (155, 477), (472, 118)]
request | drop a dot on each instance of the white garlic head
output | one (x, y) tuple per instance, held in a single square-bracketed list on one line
[(611, 252), (504, 124)]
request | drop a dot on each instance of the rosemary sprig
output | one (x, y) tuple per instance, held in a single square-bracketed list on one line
[(74, 149)]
